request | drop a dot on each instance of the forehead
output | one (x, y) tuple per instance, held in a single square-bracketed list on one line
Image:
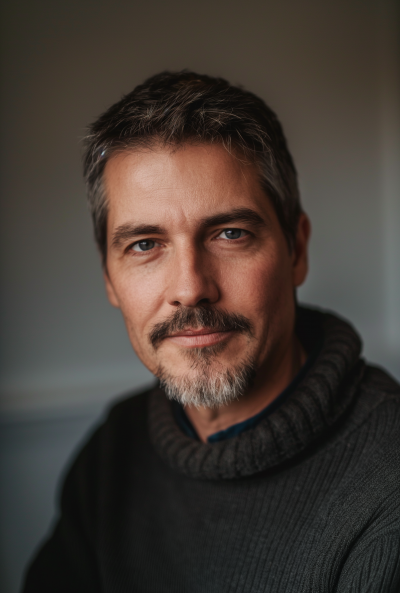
[(179, 186)]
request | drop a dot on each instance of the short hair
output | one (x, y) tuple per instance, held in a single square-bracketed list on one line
[(174, 108)]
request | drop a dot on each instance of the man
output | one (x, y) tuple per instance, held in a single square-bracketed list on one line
[(267, 458)]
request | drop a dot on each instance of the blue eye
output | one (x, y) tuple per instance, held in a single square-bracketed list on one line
[(144, 245), (232, 233)]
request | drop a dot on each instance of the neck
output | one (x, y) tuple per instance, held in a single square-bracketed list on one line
[(267, 386)]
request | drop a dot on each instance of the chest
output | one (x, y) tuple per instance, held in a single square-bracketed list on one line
[(165, 532)]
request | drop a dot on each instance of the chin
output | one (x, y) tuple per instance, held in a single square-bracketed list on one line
[(207, 382)]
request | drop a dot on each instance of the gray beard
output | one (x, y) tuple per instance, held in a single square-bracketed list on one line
[(207, 387)]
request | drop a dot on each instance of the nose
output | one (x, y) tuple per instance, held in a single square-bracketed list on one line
[(191, 280)]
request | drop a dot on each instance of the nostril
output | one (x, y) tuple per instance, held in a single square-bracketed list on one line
[(204, 301)]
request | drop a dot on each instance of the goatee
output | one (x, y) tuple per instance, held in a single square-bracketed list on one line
[(209, 383), (208, 387)]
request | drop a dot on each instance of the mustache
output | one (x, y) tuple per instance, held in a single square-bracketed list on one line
[(184, 318)]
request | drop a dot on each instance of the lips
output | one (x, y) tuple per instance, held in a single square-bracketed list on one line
[(195, 332), (199, 326), (198, 338)]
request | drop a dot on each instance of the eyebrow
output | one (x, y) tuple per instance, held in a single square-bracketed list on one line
[(246, 215), (129, 231)]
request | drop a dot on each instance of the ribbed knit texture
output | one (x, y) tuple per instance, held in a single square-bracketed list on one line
[(307, 501)]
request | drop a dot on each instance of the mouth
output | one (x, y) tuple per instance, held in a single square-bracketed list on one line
[(199, 338)]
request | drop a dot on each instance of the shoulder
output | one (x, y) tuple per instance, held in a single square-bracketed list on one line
[(128, 410), (367, 440), (378, 381), (122, 432), (360, 523), (371, 435), (378, 401), (370, 430), (126, 420)]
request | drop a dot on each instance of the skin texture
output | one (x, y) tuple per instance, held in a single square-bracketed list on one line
[(191, 264)]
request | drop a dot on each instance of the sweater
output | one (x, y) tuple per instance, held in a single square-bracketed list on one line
[(306, 501), (232, 431)]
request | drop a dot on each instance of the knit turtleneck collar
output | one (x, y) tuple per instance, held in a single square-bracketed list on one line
[(316, 404)]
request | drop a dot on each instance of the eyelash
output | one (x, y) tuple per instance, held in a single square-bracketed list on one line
[(143, 241), (246, 233)]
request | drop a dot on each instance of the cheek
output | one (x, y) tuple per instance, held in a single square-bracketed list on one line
[(261, 286), (140, 298)]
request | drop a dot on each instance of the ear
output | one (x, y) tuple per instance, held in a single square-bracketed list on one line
[(112, 297), (300, 250)]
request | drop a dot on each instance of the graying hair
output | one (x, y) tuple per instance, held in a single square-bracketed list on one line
[(172, 109), (209, 387)]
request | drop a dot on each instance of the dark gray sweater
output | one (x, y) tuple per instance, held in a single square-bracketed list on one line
[(307, 501)]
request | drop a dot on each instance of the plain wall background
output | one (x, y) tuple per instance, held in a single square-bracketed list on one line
[(329, 69)]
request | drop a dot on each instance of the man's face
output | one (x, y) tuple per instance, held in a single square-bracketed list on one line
[(199, 266)]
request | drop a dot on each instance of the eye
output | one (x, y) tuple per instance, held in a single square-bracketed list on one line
[(144, 245), (232, 234)]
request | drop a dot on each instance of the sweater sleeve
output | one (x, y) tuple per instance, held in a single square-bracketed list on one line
[(373, 567), (66, 563)]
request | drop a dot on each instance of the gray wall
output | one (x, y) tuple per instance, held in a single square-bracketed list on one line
[(330, 70)]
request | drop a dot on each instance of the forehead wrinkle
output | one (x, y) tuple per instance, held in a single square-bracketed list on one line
[(190, 191)]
